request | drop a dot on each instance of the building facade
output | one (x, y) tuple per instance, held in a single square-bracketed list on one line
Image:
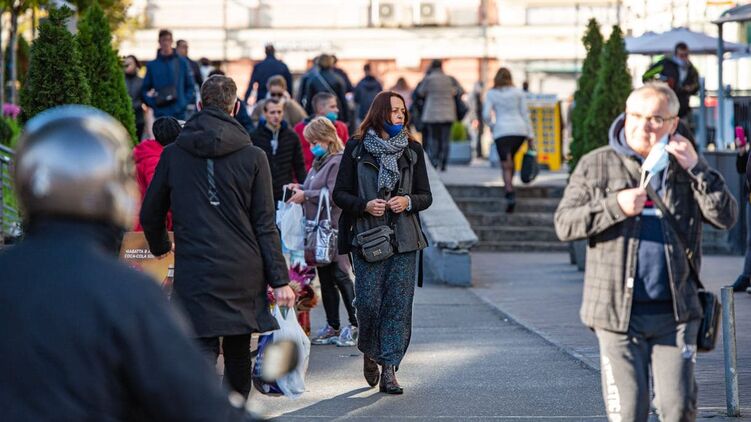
[(539, 40)]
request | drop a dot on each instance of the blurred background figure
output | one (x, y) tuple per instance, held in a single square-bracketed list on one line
[(323, 78), (402, 88), (276, 88), (270, 66), (168, 86), (365, 91), (506, 111), (439, 112), (134, 82), (325, 105)]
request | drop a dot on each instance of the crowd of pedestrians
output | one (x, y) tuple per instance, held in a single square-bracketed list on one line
[(213, 174)]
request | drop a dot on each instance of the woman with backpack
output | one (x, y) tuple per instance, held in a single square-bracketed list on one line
[(381, 187)]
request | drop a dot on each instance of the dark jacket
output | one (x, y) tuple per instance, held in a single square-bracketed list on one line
[(324, 80), (356, 185), (342, 74), (668, 70), (134, 83), (270, 66), (287, 164), (227, 247), (86, 338), (195, 69), (160, 73), (589, 210), (365, 91)]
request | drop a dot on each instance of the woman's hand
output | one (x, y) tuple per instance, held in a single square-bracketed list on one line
[(297, 198), (292, 186), (398, 204), (376, 207)]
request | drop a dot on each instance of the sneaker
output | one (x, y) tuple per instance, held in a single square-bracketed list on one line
[(326, 335), (348, 337), (741, 283)]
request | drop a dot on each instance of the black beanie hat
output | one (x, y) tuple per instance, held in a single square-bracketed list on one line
[(166, 129)]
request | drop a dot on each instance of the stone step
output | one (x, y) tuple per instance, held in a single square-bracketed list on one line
[(498, 205), (520, 246), (478, 219), (515, 234), (477, 191)]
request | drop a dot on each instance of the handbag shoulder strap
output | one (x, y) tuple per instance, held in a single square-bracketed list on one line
[(673, 223), (325, 82), (323, 197)]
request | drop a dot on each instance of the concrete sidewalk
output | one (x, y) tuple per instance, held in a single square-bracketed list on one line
[(466, 362), (542, 292)]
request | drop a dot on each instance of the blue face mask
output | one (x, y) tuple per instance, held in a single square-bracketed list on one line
[(392, 129), (332, 115), (318, 151), (657, 160)]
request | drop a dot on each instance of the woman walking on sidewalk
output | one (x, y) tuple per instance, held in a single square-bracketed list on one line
[(335, 278), (381, 187), (511, 126)]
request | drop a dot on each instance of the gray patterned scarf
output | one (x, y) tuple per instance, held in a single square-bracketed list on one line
[(387, 152)]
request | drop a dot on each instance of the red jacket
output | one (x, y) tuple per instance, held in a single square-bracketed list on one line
[(146, 155), (341, 131)]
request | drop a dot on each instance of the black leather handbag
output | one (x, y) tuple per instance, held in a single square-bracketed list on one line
[(710, 322), (375, 244)]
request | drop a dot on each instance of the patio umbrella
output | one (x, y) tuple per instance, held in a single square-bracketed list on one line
[(698, 43)]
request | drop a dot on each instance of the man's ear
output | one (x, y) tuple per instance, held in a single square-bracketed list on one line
[(199, 105)]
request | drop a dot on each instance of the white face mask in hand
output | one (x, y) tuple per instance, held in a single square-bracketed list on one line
[(656, 161)]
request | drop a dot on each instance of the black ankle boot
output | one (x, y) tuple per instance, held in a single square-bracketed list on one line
[(741, 283), (370, 370), (389, 384), (510, 201)]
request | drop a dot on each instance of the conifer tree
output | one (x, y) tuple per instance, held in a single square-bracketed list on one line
[(585, 88), (614, 84), (103, 68), (55, 76)]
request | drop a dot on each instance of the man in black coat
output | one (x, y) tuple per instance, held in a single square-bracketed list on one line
[(227, 247), (323, 79), (267, 68), (85, 337), (282, 147), (678, 72), (365, 92)]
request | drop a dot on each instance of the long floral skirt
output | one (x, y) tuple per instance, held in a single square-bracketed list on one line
[(384, 292)]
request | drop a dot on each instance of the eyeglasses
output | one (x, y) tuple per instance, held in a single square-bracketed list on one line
[(276, 94), (655, 121)]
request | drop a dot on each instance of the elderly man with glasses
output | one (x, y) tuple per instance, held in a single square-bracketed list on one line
[(639, 295)]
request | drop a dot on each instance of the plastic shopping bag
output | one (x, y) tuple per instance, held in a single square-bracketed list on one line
[(292, 225), (291, 385)]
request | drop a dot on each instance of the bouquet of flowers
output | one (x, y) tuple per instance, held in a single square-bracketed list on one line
[(300, 280)]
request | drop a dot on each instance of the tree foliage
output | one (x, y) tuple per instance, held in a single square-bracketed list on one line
[(116, 10), (614, 84), (593, 42), (103, 69), (56, 75)]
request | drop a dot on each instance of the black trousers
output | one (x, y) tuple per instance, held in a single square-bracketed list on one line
[(236, 359), (438, 143), (333, 282)]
